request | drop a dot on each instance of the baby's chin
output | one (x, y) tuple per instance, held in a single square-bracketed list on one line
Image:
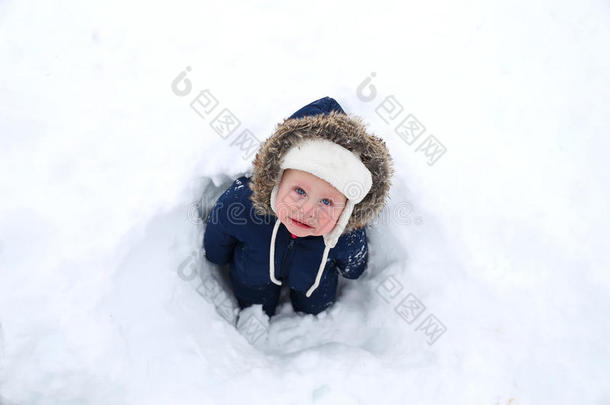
[(300, 231), (297, 230)]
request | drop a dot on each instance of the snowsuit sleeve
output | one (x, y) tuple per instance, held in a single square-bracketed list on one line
[(218, 240), (352, 255)]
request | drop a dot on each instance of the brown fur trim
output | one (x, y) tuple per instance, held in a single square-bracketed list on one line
[(347, 131)]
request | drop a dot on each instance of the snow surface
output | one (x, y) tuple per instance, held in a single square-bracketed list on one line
[(504, 240)]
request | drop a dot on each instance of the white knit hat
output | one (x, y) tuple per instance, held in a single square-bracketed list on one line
[(340, 167)]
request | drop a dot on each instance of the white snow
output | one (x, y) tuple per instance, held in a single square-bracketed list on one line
[(504, 240)]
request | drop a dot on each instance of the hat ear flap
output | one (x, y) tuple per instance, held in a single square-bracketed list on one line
[(331, 238), (274, 192)]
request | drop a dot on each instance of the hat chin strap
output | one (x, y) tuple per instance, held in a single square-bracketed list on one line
[(330, 240)]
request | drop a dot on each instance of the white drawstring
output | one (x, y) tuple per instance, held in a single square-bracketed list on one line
[(272, 254), (320, 271), (272, 262)]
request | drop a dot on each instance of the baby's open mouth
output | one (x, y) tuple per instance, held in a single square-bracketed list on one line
[(300, 224)]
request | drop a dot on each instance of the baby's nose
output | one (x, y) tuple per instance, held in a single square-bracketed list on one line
[(308, 208)]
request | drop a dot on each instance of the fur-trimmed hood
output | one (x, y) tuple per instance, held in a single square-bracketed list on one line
[(324, 118)]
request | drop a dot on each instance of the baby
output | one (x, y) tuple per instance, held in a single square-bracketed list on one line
[(308, 205), (301, 218)]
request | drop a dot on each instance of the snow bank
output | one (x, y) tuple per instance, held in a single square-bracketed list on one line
[(489, 279)]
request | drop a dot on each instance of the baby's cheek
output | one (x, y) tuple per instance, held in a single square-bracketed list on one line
[(282, 208), (327, 223)]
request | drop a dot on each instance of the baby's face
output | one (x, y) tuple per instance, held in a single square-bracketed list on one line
[(306, 204)]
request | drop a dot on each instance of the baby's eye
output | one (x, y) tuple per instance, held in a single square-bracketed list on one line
[(300, 190), (326, 201)]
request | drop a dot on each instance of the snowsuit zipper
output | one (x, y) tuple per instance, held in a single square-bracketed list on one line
[(286, 258)]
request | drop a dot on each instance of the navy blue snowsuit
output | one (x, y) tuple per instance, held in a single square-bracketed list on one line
[(235, 234)]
